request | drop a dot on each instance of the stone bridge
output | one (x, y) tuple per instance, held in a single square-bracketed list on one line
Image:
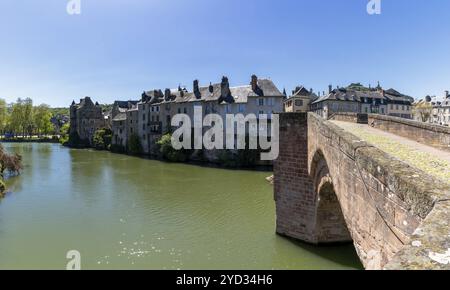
[(332, 186)]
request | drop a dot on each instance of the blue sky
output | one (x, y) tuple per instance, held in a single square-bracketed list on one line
[(118, 48)]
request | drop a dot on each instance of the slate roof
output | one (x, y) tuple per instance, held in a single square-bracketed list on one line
[(238, 94), (343, 94), (120, 117)]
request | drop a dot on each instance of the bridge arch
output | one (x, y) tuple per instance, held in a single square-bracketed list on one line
[(329, 183), (331, 226)]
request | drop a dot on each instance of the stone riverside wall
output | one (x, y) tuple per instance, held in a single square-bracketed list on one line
[(428, 134), (332, 187)]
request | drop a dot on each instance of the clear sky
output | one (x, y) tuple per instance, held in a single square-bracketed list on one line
[(115, 49)]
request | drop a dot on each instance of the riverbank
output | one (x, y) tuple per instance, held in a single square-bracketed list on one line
[(30, 140)]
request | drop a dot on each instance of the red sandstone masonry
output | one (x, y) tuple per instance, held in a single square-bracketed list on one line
[(383, 201)]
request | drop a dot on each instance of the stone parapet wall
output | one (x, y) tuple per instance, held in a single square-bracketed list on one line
[(428, 134)]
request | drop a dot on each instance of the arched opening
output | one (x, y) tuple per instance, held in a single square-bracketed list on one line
[(330, 222)]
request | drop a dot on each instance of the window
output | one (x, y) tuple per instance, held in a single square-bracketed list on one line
[(242, 108), (143, 127), (153, 109), (299, 103), (185, 110), (261, 112), (270, 102), (157, 109), (382, 111), (179, 110), (260, 102), (228, 109), (396, 107), (143, 117)]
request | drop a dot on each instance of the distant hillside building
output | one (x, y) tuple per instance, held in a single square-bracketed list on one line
[(86, 118)]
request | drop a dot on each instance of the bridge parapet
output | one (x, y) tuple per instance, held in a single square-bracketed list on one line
[(428, 134), (332, 187)]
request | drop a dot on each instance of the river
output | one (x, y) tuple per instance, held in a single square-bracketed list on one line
[(123, 212)]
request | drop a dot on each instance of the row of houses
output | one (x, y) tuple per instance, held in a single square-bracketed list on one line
[(150, 117), (354, 98)]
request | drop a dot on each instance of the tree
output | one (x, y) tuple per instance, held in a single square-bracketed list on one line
[(64, 131), (27, 117), (423, 110), (102, 139), (3, 115), (134, 145), (42, 119), (168, 152), (11, 163), (16, 118)]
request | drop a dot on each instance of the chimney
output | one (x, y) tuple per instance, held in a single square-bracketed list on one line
[(167, 94), (211, 88), (196, 89), (254, 83), (225, 88), (311, 91), (330, 88), (447, 95)]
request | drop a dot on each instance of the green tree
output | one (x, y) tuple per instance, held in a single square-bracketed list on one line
[(168, 152), (27, 117), (102, 139), (134, 145), (64, 138), (3, 116), (42, 120), (16, 119)]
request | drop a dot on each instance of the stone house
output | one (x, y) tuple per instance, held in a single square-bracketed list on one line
[(120, 122), (86, 118), (300, 100), (359, 99), (151, 117), (440, 109)]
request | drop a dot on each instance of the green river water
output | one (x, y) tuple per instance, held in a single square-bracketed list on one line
[(122, 212)]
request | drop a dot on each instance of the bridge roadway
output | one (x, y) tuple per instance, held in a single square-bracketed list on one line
[(429, 159)]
